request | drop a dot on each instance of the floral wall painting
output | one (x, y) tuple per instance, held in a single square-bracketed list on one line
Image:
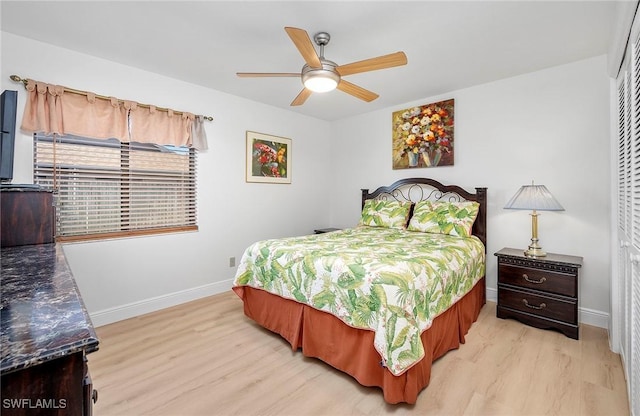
[(268, 158), (423, 136)]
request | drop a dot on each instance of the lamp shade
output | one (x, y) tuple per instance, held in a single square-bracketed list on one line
[(534, 197)]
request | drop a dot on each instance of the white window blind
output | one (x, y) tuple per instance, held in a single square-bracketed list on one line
[(105, 188)]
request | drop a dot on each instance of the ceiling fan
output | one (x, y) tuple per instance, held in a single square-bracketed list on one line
[(322, 75)]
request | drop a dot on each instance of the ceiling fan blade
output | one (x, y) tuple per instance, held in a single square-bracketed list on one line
[(302, 41), (266, 74), (302, 97), (356, 91), (373, 64)]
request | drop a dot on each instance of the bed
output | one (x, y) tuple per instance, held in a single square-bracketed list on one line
[(382, 300)]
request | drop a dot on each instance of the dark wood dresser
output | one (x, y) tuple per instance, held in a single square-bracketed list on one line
[(27, 215), (45, 335), (539, 291), (45, 330)]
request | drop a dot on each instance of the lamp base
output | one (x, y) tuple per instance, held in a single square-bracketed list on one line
[(534, 249), (536, 252)]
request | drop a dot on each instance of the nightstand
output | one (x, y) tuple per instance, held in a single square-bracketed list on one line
[(325, 230), (539, 291)]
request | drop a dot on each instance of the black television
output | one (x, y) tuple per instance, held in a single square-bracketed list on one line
[(8, 105)]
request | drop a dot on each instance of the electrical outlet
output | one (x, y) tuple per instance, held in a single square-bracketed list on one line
[(232, 262)]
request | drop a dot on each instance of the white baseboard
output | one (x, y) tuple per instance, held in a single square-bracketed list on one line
[(119, 313), (492, 295), (593, 317), (585, 315)]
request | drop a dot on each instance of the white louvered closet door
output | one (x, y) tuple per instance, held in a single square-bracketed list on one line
[(624, 209), (634, 363), (629, 215), (634, 289)]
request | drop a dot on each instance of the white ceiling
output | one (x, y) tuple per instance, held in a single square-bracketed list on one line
[(449, 44)]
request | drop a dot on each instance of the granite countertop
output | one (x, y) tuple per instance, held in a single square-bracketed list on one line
[(43, 316)]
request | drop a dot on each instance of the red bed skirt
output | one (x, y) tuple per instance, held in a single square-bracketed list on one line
[(322, 335)]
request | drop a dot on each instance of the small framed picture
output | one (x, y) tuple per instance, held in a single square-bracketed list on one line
[(268, 158)]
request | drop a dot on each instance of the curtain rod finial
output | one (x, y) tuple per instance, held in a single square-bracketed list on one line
[(18, 79)]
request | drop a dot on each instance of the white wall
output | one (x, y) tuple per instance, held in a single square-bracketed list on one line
[(551, 126), (121, 278)]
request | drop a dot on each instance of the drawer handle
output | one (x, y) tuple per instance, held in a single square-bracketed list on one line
[(542, 279), (542, 305)]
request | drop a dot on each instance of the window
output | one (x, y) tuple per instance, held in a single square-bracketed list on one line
[(105, 188)]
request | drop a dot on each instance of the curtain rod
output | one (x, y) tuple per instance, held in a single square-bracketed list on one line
[(103, 97)]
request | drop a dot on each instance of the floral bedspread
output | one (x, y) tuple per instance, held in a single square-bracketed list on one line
[(391, 281)]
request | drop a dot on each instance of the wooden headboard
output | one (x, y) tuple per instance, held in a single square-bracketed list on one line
[(425, 189)]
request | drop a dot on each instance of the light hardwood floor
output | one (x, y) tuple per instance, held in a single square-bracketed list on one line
[(207, 358)]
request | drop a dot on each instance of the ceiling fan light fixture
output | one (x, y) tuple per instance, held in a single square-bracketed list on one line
[(321, 82), (323, 79), (322, 75)]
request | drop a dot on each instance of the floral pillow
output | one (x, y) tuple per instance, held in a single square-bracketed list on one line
[(439, 217), (383, 213)]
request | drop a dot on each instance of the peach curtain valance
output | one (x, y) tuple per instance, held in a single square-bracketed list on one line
[(148, 125), (51, 109)]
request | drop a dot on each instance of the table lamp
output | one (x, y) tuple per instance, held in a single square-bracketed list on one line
[(535, 198)]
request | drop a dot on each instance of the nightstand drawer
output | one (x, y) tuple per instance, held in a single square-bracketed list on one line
[(545, 280), (565, 310)]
